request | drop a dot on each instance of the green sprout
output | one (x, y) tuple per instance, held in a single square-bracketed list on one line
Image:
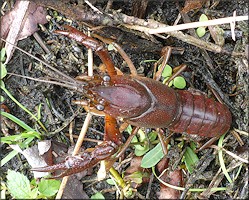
[(178, 82), (201, 31)]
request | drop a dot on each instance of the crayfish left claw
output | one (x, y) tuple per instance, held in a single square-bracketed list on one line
[(79, 163)]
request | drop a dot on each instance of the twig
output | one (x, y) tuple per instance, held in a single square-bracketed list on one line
[(230, 153), (93, 7), (117, 18), (149, 186), (90, 60), (85, 139), (41, 42), (128, 141), (226, 20)]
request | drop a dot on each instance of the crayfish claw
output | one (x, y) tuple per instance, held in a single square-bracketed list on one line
[(52, 168), (79, 163)]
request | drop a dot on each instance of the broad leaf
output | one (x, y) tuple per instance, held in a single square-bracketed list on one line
[(152, 157), (98, 195), (190, 159), (48, 187), (18, 185)]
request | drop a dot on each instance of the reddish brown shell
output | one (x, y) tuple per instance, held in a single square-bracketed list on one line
[(145, 102)]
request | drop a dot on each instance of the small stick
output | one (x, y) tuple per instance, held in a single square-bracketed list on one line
[(166, 57), (126, 58), (182, 67), (226, 20), (230, 154), (90, 59), (41, 42), (128, 141), (163, 142)]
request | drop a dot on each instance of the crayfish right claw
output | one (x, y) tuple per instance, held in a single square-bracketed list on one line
[(79, 163)]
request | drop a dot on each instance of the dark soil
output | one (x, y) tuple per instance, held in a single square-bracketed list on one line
[(229, 73)]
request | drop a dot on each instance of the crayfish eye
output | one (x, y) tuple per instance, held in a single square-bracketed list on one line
[(106, 78), (100, 107)]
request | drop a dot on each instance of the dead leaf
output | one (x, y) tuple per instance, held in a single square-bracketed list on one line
[(74, 189), (33, 157), (171, 177), (20, 23), (217, 34), (193, 5), (136, 174), (135, 165)]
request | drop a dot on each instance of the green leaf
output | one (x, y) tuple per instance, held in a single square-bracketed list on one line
[(179, 82), (2, 84), (2, 55), (49, 187), (39, 112), (7, 158), (140, 147), (141, 135), (170, 83), (193, 145), (97, 195), (34, 193), (152, 136), (201, 31), (167, 71), (136, 177), (3, 72), (17, 121), (129, 129), (18, 185), (141, 138), (110, 47), (221, 159), (190, 159), (152, 157), (26, 142), (11, 139), (31, 134), (203, 18), (142, 150), (1, 99), (16, 138), (134, 139), (110, 181)]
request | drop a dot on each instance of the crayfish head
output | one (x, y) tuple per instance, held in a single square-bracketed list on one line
[(121, 97)]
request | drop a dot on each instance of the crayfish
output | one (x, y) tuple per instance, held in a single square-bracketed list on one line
[(141, 102)]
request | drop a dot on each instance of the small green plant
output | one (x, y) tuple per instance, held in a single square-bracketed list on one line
[(152, 157), (97, 195), (178, 82), (2, 86), (201, 31), (20, 187), (141, 141), (3, 71), (190, 158), (24, 138)]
